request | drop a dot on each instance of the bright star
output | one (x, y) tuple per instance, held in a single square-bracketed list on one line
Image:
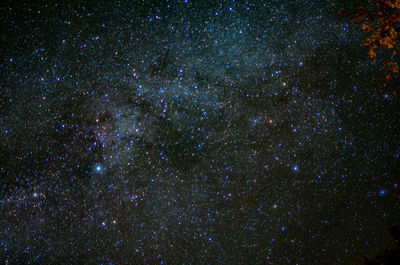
[(98, 168)]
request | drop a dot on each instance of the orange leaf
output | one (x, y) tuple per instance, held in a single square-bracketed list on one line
[(372, 54)]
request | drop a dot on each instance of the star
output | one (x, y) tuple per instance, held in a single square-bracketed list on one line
[(98, 168)]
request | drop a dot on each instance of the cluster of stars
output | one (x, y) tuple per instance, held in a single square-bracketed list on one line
[(191, 132)]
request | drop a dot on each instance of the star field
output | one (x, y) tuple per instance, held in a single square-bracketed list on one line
[(192, 132)]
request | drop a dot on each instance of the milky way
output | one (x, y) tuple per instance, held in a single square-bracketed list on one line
[(192, 132)]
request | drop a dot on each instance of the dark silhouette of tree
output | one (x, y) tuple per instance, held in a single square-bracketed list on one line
[(389, 256), (380, 20)]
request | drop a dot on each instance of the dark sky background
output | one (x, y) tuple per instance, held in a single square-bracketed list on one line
[(192, 132)]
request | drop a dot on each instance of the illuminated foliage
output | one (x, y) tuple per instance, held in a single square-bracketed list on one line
[(380, 19)]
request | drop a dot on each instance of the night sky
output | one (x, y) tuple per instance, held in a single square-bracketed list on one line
[(192, 132)]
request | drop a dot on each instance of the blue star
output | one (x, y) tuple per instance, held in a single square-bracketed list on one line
[(98, 168), (295, 168)]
